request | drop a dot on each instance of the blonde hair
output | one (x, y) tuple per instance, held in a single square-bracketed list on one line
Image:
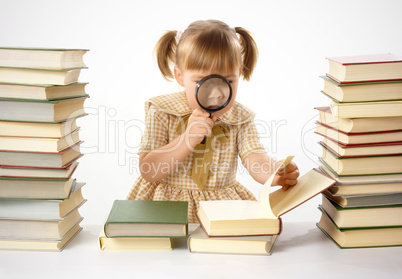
[(207, 45)]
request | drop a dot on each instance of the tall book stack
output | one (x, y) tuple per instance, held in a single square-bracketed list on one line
[(40, 101), (362, 150)]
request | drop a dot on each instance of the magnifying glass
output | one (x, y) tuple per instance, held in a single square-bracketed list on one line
[(213, 93)]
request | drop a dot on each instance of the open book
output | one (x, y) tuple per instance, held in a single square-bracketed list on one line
[(245, 217)]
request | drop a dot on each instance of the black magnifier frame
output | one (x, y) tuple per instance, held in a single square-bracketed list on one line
[(200, 83)]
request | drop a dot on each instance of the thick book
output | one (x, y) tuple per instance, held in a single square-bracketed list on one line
[(360, 237), (376, 216), (362, 165), (38, 172), (39, 144), (263, 217), (41, 91), (130, 218), (363, 91), (39, 76), (199, 242), (371, 67), (367, 109), (360, 150), (366, 200), (35, 188), (359, 179), (42, 110), (36, 209), (371, 188), (358, 125), (358, 138), (48, 58), (40, 244), (35, 229), (41, 159), (37, 129), (134, 243)]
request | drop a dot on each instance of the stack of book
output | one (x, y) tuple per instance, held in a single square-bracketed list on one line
[(252, 227), (362, 150), (144, 225), (40, 100)]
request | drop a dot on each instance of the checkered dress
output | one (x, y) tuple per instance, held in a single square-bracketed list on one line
[(163, 114)]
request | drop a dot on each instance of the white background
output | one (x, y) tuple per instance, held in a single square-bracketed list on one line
[(294, 38)]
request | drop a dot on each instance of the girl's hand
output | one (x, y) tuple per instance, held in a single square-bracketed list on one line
[(288, 176), (199, 126)]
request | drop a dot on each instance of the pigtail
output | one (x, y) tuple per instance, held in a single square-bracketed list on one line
[(165, 52), (249, 52)]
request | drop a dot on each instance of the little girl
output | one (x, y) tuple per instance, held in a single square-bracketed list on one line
[(186, 153)]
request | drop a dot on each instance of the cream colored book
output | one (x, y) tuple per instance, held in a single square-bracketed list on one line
[(39, 144), (358, 150), (246, 218), (358, 138), (50, 58), (39, 76), (199, 242), (36, 209), (40, 244), (37, 188), (371, 67), (363, 91), (360, 237), (42, 92), (37, 129), (374, 216), (366, 188), (134, 243), (358, 125), (43, 229), (367, 109), (389, 164)]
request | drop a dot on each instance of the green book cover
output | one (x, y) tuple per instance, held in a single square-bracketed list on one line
[(138, 211)]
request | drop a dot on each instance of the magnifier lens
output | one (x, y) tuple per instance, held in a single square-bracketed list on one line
[(213, 93)]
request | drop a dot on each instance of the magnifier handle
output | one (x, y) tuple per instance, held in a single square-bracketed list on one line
[(205, 137)]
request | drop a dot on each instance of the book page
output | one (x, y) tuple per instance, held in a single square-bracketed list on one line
[(308, 186), (265, 190)]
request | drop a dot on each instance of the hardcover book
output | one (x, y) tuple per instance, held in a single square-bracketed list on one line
[(374, 216), (360, 237), (42, 110), (129, 218), (358, 125), (358, 138), (47, 58), (199, 242), (372, 67), (263, 217), (363, 91)]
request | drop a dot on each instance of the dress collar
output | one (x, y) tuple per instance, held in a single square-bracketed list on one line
[(176, 104)]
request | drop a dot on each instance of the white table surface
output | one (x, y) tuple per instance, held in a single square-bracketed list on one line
[(301, 250)]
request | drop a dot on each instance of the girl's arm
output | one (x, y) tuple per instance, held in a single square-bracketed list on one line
[(261, 166), (161, 162)]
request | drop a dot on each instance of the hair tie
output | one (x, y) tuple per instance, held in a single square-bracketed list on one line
[(178, 35)]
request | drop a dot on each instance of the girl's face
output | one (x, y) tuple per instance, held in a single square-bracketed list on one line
[(189, 79)]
